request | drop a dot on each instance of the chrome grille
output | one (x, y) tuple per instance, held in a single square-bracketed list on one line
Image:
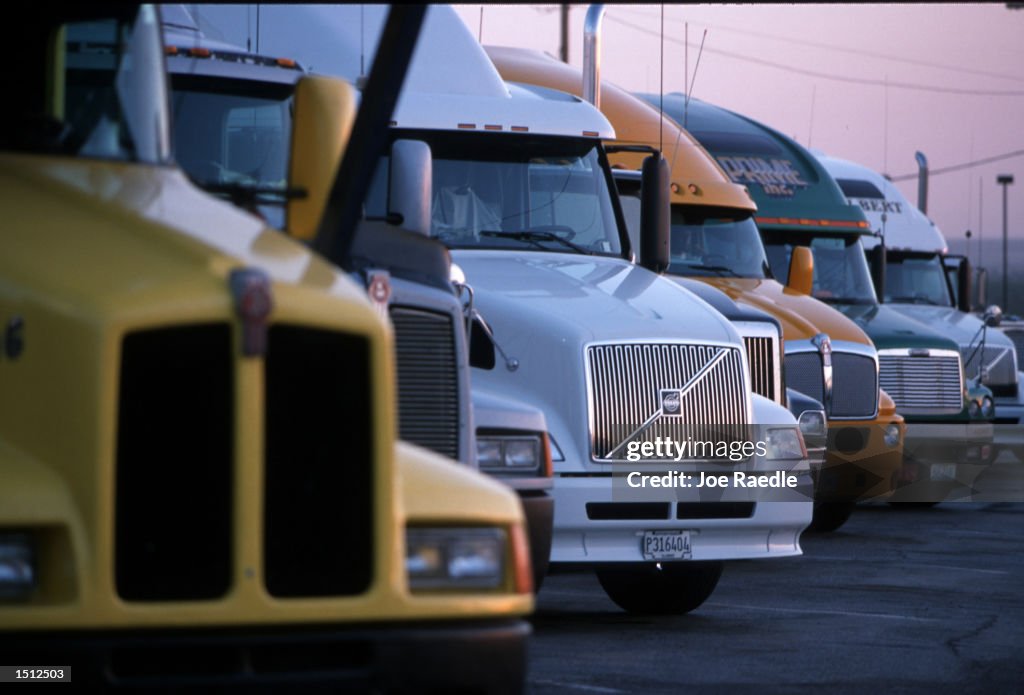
[(1017, 336), (761, 359), (625, 388), (428, 383), (999, 362), (924, 385), (854, 386), (804, 374)]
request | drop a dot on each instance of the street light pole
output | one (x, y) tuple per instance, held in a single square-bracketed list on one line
[(1005, 180)]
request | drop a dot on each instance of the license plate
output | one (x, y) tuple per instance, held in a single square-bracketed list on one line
[(943, 471), (666, 545)]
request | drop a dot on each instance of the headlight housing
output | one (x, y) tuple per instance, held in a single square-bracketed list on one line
[(891, 435), (439, 558), (988, 407), (813, 423), (17, 566), (785, 443), (519, 454)]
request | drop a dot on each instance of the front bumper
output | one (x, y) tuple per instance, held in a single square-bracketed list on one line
[(942, 460), (859, 465), (595, 522), (471, 656)]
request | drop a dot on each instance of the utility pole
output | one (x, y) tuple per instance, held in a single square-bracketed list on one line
[(563, 50), (1005, 180)]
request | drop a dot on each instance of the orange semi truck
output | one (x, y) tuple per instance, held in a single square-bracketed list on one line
[(715, 241)]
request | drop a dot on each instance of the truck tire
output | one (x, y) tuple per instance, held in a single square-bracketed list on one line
[(671, 588), (829, 516)]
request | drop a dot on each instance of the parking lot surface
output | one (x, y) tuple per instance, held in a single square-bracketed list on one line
[(898, 600)]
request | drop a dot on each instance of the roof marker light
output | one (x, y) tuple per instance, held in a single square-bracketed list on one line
[(591, 134), (199, 52), (492, 127), (467, 126), (286, 62), (519, 129), (171, 50)]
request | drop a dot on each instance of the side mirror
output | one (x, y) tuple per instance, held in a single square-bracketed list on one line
[(655, 214), (411, 185), (993, 315), (958, 270), (982, 287), (801, 270), (877, 260), (324, 111)]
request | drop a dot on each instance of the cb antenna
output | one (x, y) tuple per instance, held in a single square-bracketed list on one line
[(661, 85), (693, 80)]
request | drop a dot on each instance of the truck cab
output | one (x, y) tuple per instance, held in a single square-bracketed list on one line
[(233, 129), (202, 484), (923, 281), (700, 191), (799, 204)]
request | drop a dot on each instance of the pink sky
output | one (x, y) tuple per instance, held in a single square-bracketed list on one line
[(969, 47)]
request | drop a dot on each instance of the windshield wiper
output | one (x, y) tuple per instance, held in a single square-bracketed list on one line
[(243, 194), (534, 236), (916, 299), (714, 269)]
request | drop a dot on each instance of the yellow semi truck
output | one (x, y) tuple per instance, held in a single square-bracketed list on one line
[(865, 434), (201, 480)]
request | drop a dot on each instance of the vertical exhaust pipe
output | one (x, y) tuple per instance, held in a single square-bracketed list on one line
[(592, 55), (922, 182)]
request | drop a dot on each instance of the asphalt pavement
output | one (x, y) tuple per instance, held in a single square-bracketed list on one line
[(897, 600)]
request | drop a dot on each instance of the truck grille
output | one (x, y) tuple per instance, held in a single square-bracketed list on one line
[(999, 361), (804, 374), (428, 382), (1017, 336), (761, 358), (854, 386), (626, 384), (922, 385), (174, 464), (318, 486), (854, 382)]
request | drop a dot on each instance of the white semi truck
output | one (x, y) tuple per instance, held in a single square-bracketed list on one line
[(521, 193), (924, 282)]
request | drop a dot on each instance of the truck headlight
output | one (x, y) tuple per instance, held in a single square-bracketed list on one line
[(454, 558), (509, 454), (785, 443), (988, 408), (891, 436), (17, 573), (813, 423)]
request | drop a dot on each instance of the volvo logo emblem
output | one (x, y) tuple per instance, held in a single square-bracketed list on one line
[(919, 352), (670, 402)]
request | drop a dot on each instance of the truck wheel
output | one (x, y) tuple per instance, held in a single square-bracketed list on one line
[(829, 516), (671, 588)]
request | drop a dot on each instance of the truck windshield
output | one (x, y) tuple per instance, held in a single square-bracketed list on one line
[(916, 279), (517, 192), (715, 246), (105, 95), (233, 137), (841, 273)]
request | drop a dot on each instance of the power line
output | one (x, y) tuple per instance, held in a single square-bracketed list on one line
[(844, 49), (837, 78), (959, 167)]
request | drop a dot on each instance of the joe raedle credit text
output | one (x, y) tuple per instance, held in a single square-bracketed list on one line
[(704, 479)]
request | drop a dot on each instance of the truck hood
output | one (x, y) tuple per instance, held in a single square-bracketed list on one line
[(964, 328), (593, 298), (545, 308), (889, 328), (802, 316), (124, 239)]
